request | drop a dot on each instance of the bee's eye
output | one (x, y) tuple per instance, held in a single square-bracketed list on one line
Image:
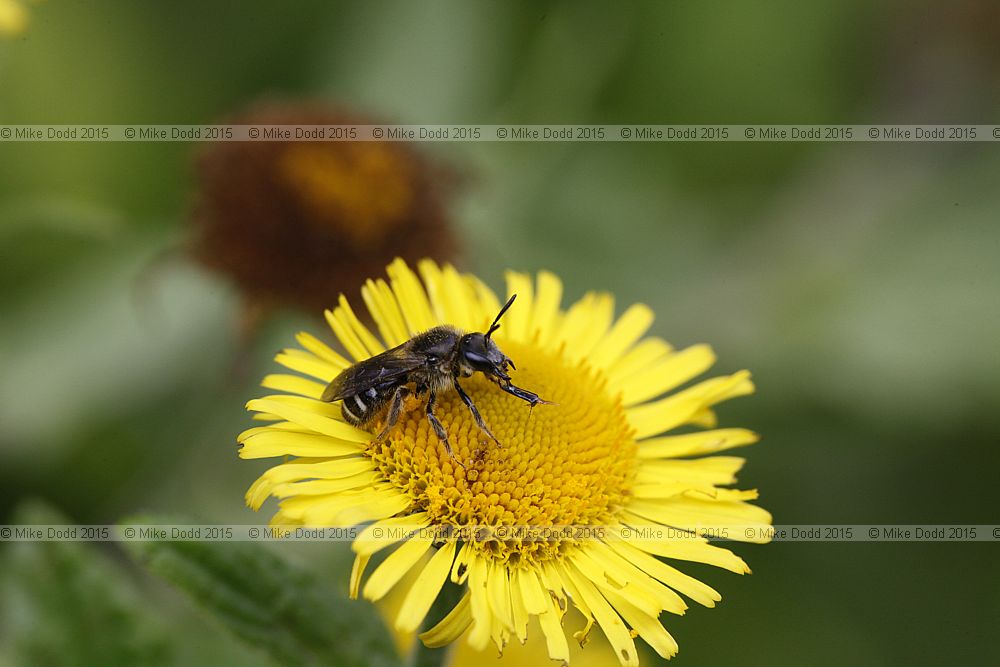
[(477, 360)]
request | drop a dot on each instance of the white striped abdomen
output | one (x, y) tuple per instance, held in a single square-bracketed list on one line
[(359, 409)]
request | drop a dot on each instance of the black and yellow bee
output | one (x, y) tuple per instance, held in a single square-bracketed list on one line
[(429, 363)]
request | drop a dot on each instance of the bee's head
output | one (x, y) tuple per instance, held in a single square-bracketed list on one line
[(477, 352)]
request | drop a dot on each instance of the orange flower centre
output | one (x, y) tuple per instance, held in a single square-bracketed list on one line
[(363, 190)]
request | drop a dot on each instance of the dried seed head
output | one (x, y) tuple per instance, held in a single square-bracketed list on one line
[(295, 223)]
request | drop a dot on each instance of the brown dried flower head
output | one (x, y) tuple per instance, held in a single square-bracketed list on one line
[(295, 223)]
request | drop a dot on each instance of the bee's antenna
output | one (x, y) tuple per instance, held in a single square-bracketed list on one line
[(496, 322)]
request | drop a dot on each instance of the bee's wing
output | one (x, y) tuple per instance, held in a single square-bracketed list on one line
[(391, 365)]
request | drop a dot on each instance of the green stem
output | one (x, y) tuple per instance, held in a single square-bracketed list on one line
[(422, 656)]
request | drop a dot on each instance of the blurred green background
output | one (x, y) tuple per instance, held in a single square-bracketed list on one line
[(859, 282)]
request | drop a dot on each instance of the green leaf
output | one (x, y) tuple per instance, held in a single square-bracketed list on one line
[(67, 604), (269, 602)]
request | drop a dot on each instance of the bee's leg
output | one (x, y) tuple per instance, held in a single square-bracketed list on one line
[(439, 427), (395, 409), (475, 412), (524, 394)]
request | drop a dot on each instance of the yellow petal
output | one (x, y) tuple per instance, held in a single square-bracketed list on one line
[(638, 358), (436, 292), (305, 362), (271, 442), (381, 303), (293, 384), (567, 584), (597, 575), (451, 626), (532, 592), (498, 593), (518, 610), (516, 323), (449, 294), (666, 374), (482, 620), (321, 350), (486, 304), (553, 582), (694, 444), (707, 471), (695, 549), (617, 567), (611, 623), (321, 408), (297, 509), (466, 304), (586, 323), (394, 567), (648, 627), (650, 487), (367, 507), (678, 409), (425, 589), (277, 426), (411, 297), (499, 633), (336, 469), (275, 480), (347, 337), (574, 321), (258, 492), (706, 515), (629, 328), (357, 571), (460, 570), (346, 314), (382, 533), (555, 637), (547, 299), (318, 487), (311, 420), (689, 586)]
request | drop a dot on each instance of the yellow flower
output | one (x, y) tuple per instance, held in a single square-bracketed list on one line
[(597, 458), (13, 18)]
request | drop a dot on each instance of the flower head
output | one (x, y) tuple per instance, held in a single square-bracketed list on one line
[(296, 222), (597, 458), (13, 18)]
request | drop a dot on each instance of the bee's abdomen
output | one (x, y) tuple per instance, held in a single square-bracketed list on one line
[(359, 409)]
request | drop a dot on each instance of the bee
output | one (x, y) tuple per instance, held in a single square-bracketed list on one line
[(428, 364)]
